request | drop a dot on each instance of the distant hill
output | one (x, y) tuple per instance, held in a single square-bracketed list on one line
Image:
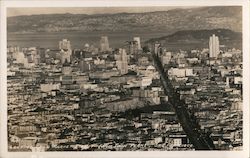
[(170, 21), (199, 39)]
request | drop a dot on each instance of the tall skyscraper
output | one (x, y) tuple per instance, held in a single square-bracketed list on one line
[(131, 47), (42, 54), (65, 56), (64, 44), (157, 48), (214, 45), (138, 42), (66, 51), (104, 44), (166, 58), (122, 61)]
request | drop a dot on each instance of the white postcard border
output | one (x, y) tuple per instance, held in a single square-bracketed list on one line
[(119, 3)]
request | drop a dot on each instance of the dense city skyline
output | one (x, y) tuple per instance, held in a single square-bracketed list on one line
[(83, 85)]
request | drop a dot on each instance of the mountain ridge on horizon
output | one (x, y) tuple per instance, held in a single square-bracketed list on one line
[(228, 17), (199, 38), (93, 14)]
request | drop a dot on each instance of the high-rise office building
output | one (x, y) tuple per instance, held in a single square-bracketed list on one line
[(122, 61), (42, 54), (214, 46), (64, 44), (138, 42), (132, 48), (65, 56), (66, 51), (157, 47), (166, 58), (104, 44)]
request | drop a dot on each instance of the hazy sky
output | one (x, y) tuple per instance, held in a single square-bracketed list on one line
[(82, 10)]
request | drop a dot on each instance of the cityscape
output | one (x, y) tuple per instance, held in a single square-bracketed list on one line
[(137, 97)]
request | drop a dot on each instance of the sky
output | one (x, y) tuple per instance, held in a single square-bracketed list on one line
[(81, 10)]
